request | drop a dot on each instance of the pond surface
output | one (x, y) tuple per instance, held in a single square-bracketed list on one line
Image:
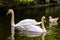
[(36, 13)]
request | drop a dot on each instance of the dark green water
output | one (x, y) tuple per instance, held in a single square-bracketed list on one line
[(36, 13)]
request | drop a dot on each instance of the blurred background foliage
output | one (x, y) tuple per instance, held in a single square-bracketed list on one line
[(17, 2)]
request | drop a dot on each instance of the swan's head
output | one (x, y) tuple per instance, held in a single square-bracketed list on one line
[(44, 19), (10, 11)]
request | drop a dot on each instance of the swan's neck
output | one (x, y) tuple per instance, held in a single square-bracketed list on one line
[(43, 26), (12, 19)]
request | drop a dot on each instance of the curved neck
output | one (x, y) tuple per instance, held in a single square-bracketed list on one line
[(43, 26), (12, 19)]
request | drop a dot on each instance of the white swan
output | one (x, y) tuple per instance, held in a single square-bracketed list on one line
[(36, 30), (53, 21)]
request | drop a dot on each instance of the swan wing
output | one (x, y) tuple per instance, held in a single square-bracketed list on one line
[(30, 30), (28, 22), (33, 28), (53, 20)]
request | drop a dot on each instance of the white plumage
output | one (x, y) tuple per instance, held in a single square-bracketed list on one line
[(53, 21), (28, 22), (32, 31)]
